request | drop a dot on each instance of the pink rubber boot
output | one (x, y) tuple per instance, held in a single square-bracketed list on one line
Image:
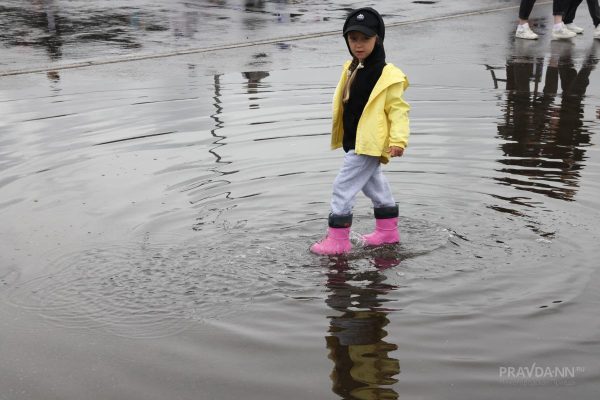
[(336, 242), (386, 232), (386, 227)]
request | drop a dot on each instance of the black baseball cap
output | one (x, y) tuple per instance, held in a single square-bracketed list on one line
[(363, 20)]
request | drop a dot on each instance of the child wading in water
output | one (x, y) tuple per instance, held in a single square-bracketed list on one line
[(370, 121)]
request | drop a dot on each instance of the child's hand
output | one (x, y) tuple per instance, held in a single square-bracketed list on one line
[(396, 151)]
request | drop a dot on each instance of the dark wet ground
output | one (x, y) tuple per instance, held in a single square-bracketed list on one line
[(46, 33), (157, 214)]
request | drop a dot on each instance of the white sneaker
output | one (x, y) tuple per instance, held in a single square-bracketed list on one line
[(574, 28), (562, 33), (597, 32), (525, 33)]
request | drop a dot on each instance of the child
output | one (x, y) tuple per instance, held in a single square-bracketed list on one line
[(370, 121)]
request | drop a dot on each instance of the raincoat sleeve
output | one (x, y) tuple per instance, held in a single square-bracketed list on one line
[(337, 128), (397, 111)]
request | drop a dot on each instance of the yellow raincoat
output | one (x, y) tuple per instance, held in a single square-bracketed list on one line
[(384, 121)]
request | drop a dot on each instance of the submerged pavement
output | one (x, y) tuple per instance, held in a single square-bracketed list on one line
[(56, 34)]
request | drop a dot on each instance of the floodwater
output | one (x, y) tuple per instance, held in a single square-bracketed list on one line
[(156, 217), (57, 32)]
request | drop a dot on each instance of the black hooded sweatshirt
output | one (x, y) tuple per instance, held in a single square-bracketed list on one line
[(364, 82)]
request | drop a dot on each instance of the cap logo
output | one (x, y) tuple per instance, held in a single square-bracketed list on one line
[(360, 17)]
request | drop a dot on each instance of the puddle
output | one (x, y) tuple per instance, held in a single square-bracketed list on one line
[(158, 218)]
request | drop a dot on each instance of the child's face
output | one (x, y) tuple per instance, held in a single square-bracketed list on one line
[(361, 45)]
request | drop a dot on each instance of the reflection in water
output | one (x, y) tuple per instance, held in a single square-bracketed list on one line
[(80, 29), (202, 185), (363, 368), (53, 40), (186, 23), (254, 78), (54, 25), (216, 117), (46, 20), (545, 136), (253, 9)]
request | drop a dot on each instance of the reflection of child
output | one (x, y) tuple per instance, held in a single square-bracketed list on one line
[(363, 365), (370, 121)]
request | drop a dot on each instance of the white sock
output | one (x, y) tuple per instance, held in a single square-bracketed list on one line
[(523, 27), (558, 27)]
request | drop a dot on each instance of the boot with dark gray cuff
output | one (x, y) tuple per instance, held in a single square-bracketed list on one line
[(386, 227), (337, 240)]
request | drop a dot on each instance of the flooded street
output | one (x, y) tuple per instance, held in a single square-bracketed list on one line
[(157, 207)]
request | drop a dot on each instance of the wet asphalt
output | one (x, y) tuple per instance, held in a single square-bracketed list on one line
[(164, 167)]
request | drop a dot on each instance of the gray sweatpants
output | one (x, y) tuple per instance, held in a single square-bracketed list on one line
[(360, 172)]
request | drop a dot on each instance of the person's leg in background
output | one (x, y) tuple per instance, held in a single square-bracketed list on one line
[(594, 8), (569, 16), (559, 30), (523, 29)]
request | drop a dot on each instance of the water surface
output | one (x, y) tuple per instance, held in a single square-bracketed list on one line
[(156, 227)]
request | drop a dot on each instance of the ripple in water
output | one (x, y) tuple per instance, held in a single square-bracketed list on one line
[(158, 287)]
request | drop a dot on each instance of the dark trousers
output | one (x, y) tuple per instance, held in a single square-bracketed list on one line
[(559, 7), (592, 6)]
